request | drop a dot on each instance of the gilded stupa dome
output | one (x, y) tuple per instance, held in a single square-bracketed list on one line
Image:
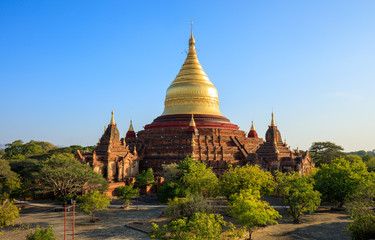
[(191, 92)]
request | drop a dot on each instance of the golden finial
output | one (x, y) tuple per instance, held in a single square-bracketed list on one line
[(191, 40), (192, 122), (285, 141), (131, 129), (135, 150), (272, 121), (112, 119), (252, 126), (105, 128)]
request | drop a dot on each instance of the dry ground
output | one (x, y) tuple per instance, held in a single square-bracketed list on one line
[(324, 224)]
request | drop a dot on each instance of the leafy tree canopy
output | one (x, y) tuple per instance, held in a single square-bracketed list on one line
[(8, 183), (251, 211), (338, 181), (188, 177), (67, 176), (41, 233), (298, 193), (325, 152), (125, 193), (187, 207), (28, 170), (146, 178), (361, 210), (92, 202), (9, 180), (40, 150), (197, 178), (200, 226), (246, 177), (371, 164)]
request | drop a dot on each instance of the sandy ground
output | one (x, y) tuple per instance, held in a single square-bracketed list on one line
[(114, 224), (321, 225)]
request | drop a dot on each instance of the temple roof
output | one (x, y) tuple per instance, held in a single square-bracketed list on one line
[(191, 92), (252, 133), (130, 133), (273, 134), (111, 133)]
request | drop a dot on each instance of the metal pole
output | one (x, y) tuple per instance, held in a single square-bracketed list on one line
[(74, 204), (65, 222)]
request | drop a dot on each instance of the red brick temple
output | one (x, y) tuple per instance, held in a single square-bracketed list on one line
[(191, 125)]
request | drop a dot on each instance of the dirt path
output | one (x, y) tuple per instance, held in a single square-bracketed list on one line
[(324, 224), (111, 225)]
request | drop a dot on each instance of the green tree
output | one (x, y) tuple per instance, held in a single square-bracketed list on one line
[(197, 178), (246, 177), (28, 170), (41, 233), (325, 152), (125, 193), (14, 150), (187, 207), (188, 177), (69, 177), (338, 181), (371, 164), (361, 209), (92, 202), (298, 193), (146, 178), (9, 182), (251, 211), (200, 226)]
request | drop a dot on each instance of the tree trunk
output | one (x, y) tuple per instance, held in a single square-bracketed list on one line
[(93, 217), (250, 232)]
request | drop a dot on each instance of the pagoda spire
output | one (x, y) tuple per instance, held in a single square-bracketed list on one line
[(112, 119), (252, 132), (131, 129), (273, 121), (191, 40), (192, 122), (130, 133), (252, 126)]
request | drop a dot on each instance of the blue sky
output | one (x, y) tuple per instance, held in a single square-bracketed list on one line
[(65, 64)]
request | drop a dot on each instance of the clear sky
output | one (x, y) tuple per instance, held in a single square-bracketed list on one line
[(65, 64)]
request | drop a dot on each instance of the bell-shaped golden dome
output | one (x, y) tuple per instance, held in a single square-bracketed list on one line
[(191, 92)]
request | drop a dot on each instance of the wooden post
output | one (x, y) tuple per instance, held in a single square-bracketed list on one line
[(65, 222), (74, 204)]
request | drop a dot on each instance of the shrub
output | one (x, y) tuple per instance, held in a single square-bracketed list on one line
[(41, 233), (8, 212), (200, 226), (125, 193), (188, 177), (146, 178), (187, 207)]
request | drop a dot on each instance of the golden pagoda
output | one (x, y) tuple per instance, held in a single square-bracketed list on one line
[(191, 92)]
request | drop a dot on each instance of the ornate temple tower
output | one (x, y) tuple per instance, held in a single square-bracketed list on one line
[(111, 157), (274, 154), (192, 124)]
